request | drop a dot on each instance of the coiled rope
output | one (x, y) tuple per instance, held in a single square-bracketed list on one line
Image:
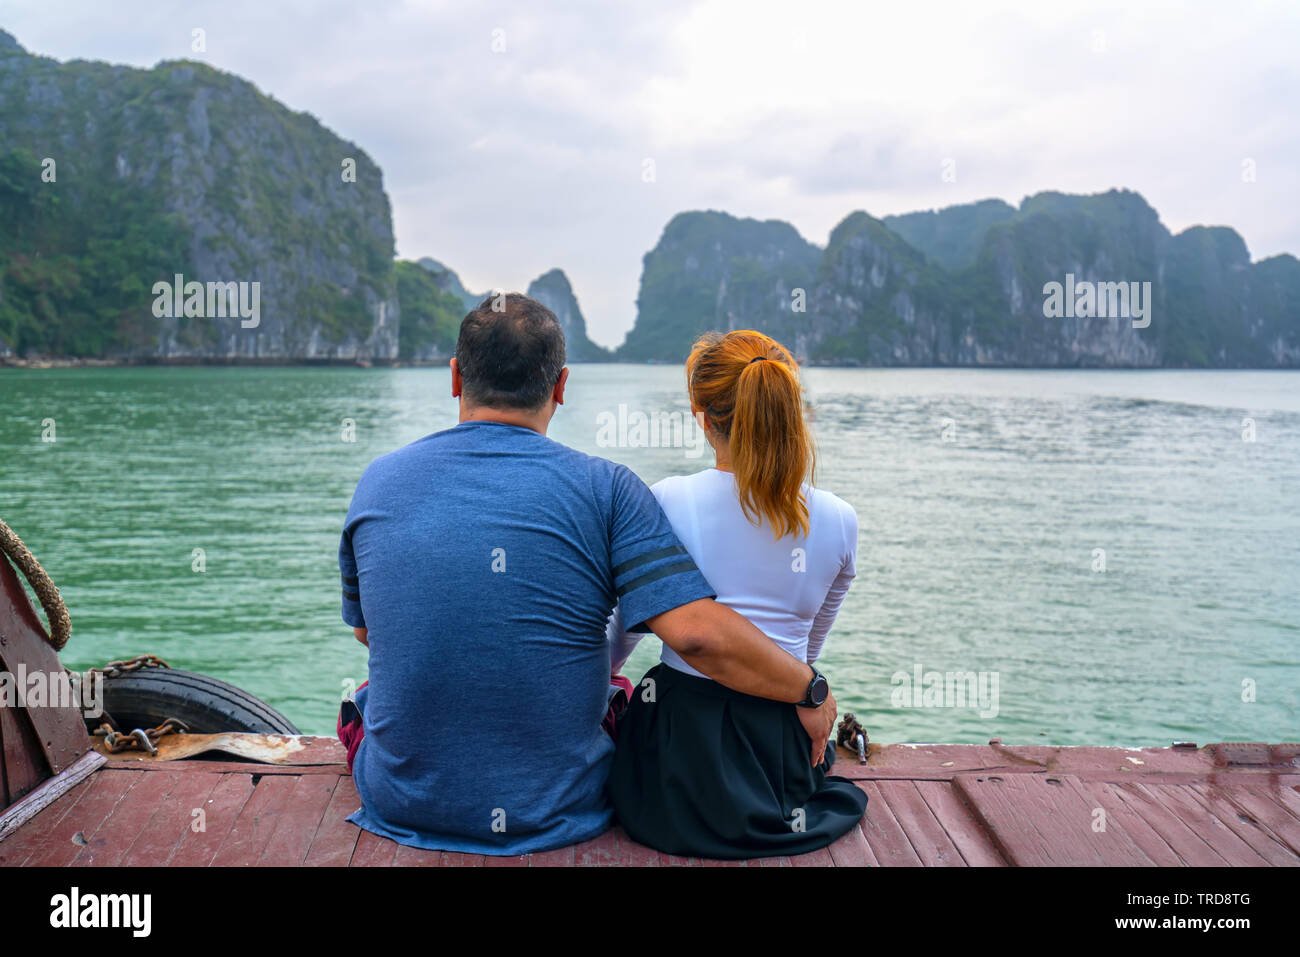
[(55, 611)]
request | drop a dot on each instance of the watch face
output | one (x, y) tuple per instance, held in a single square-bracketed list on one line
[(819, 689)]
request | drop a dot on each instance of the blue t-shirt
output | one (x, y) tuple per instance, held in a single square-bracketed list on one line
[(484, 561)]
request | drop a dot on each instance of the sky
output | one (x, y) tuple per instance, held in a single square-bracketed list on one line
[(517, 137)]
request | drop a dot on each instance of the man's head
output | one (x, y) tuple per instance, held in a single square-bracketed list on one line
[(509, 360)]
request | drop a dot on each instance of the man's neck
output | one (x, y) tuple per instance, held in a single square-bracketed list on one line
[(537, 421)]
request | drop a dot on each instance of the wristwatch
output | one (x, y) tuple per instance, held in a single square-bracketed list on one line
[(818, 689)]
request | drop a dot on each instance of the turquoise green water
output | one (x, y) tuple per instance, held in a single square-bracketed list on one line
[(977, 552)]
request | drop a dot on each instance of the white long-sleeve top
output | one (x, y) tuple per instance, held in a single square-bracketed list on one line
[(790, 588)]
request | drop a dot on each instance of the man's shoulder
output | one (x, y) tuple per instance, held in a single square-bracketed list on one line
[(400, 458), (605, 472)]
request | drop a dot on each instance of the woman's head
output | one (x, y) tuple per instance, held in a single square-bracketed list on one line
[(747, 386)]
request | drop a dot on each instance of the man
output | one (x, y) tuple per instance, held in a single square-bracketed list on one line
[(480, 565)]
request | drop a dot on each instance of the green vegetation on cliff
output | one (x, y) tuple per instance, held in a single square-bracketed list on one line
[(72, 282), (711, 270), (430, 317), (951, 237), (113, 178)]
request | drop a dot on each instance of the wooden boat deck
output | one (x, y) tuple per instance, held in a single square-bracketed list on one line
[(930, 805)]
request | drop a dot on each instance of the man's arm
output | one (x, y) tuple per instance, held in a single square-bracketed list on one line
[(726, 646), (361, 636)]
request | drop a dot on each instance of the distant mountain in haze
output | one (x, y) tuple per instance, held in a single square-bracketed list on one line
[(965, 286), (711, 270), (447, 280), (951, 236), (114, 180), (553, 291)]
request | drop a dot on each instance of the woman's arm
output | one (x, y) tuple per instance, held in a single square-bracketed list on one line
[(621, 643), (821, 626)]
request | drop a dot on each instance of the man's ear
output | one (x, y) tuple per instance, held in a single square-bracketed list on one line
[(455, 380), (558, 392)]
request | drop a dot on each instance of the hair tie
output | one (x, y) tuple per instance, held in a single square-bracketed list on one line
[(756, 359)]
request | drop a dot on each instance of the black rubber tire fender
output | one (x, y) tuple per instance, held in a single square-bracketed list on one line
[(145, 698)]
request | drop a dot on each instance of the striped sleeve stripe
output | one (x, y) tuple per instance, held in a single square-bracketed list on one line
[(349, 581), (676, 568), (351, 595), (647, 558)]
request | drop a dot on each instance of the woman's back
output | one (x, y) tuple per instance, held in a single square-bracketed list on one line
[(699, 768), (791, 587)]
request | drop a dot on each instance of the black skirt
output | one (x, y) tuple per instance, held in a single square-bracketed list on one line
[(704, 771)]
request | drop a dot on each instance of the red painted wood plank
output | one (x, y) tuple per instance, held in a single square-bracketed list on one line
[(22, 759), (885, 836), (220, 810), (1119, 812), (19, 846), (1261, 804), (416, 857), (256, 822), (1046, 820), (818, 858), (776, 861), (336, 837), (1225, 841), (111, 840), (199, 766), (59, 729), (173, 818), (13, 817), (511, 860), (632, 854), (298, 821), (966, 833), (1116, 844), (928, 838), (373, 851), (1214, 797), (107, 788), (6, 798), (852, 850), (460, 859), (1289, 797), (560, 857), (716, 862), (599, 851), (1183, 840), (672, 860)]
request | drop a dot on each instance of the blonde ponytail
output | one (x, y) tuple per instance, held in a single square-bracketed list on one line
[(748, 386)]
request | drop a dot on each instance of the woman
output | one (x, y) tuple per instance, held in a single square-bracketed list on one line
[(701, 770)]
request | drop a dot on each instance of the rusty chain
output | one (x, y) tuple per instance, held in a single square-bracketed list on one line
[(140, 739), (115, 668)]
